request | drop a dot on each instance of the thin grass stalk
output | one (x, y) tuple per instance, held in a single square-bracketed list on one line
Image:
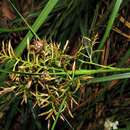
[(25, 21), (76, 72), (58, 113)]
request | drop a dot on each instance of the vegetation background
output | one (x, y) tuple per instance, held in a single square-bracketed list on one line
[(64, 64)]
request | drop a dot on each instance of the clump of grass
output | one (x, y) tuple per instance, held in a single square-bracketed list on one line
[(47, 77), (34, 78), (44, 82)]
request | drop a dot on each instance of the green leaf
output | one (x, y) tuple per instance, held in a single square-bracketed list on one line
[(110, 23), (109, 78), (37, 24)]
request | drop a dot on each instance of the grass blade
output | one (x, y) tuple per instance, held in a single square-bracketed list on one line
[(58, 114), (110, 23), (37, 24), (5, 30), (109, 78)]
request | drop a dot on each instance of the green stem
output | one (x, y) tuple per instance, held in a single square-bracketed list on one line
[(76, 72)]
